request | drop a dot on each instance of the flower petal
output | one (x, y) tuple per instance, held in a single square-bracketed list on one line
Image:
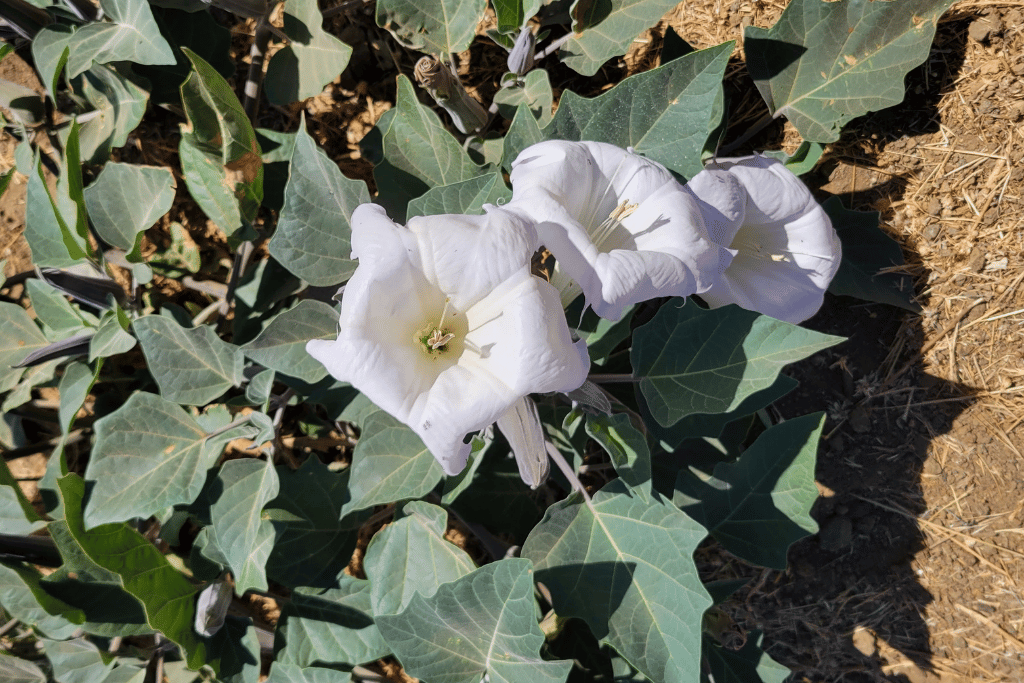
[(619, 225), (468, 256), (521, 426), (786, 251)]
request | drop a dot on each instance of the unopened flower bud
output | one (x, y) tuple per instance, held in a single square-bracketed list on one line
[(446, 89), (520, 59)]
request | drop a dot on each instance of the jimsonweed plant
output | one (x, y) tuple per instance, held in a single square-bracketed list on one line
[(376, 374)]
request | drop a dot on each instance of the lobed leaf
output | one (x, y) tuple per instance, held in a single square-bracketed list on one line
[(467, 196), (667, 114), (190, 365), (243, 535), (412, 557), (314, 540), (760, 505), (313, 236), (330, 626), (131, 36), (149, 454), (489, 614), (625, 566), (868, 254), (606, 29), (419, 153), (439, 27), (627, 447), (312, 59), (114, 205), (390, 463), (694, 361), (282, 343), (824, 63), (24, 599)]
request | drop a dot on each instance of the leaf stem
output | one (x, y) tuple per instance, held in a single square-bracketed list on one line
[(228, 427), (613, 378), (563, 466), (758, 126), (552, 46)]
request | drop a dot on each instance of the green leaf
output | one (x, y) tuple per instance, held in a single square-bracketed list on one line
[(803, 160), (694, 361), (199, 32), (390, 463), (15, 670), (52, 242), (77, 661), (313, 236), (712, 425), (220, 150), (31, 378), (166, 595), (110, 338), (24, 104), (638, 588), (749, 663), (24, 599), (419, 153), (626, 446), (312, 59), (50, 52), (760, 505), (57, 316), (282, 343), (74, 388), (867, 251), (489, 614), (535, 93), (131, 36), (439, 27), (114, 205), (601, 335), (109, 609), (118, 104), (17, 516), (243, 535), (666, 114), (512, 14), (190, 365), (825, 63), (19, 335), (608, 29), (330, 626), (280, 672), (149, 454), (410, 557), (467, 196), (314, 541), (71, 185), (522, 132)]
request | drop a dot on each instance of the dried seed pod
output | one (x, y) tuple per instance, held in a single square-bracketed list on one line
[(446, 89)]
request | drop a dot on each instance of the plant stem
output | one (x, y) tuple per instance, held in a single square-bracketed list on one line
[(563, 466)]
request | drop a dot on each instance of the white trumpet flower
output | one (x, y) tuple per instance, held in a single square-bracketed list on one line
[(443, 326), (785, 249), (621, 228)]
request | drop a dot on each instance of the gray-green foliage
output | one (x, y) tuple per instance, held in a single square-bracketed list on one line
[(313, 237), (437, 27), (638, 548), (312, 58), (825, 63), (152, 392), (490, 614), (695, 361)]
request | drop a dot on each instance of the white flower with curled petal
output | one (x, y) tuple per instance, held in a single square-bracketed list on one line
[(620, 227), (786, 251), (443, 326)]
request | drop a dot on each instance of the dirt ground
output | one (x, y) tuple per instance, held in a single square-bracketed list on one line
[(918, 570)]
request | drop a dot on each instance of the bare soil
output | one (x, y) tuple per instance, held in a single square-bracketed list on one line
[(917, 572)]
